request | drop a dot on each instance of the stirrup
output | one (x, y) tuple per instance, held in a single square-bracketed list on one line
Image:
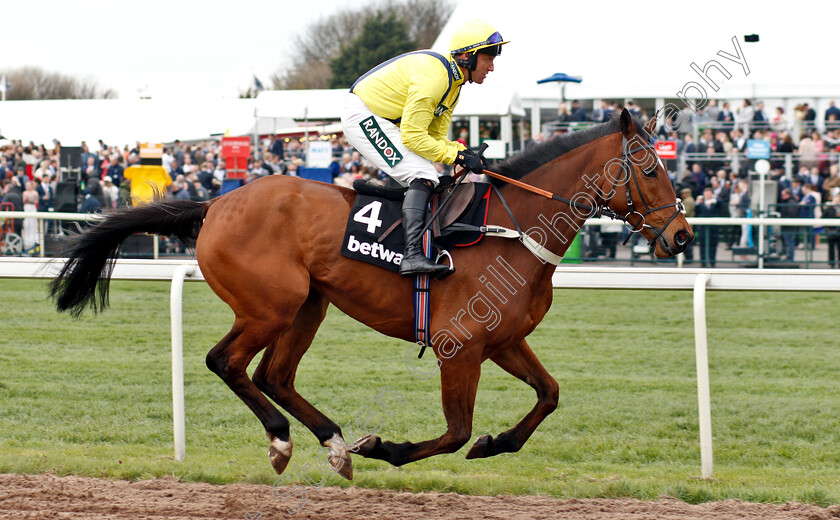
[(451, 270)]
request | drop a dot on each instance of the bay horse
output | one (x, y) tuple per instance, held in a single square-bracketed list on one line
[(270, 250)]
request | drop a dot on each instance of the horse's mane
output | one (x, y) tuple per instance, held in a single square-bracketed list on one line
[(532, 158)]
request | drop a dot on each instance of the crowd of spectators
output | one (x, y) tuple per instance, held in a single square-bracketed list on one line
[(711, 140)]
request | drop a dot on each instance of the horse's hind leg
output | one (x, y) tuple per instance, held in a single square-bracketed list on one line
[(520, 361), (229, 359), (275, 376)]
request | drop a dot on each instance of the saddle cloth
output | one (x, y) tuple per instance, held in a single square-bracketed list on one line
[(374, 229)]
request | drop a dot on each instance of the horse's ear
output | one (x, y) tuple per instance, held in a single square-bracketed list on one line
[(626, 123), (650, 127)]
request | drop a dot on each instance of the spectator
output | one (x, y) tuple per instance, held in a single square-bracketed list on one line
[(712, 111), (809, 117), (786, 146), (725, 117), (831, 185), (760, 116), (200, 193), (276, 147), (93, 186), (577, 113), (111, 193), (175, 169), (707, 205), (12, 194), (90, 204), (796, 189), (807, 209), (115, 169), (787, 208), (689, 148), (30, 224), (220, 172), (179, 189), (45, 194), (832, 116), (779, 122), (745, 116), (807, 152), (832, 233), (125, 193)]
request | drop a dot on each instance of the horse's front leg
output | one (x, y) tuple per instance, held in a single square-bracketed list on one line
[(459, 380), (520, 361)]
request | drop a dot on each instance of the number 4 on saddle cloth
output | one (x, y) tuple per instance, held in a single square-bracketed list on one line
[(374, 229)]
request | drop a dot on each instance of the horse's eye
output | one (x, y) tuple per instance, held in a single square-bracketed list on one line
[(650, 172)]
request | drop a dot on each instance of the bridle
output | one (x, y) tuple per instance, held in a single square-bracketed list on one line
[(604, 209), (627, 166)]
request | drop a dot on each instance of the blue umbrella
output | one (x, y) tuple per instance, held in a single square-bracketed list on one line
[(560, 76)]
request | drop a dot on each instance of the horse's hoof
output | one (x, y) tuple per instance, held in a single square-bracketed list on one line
[(279, 453), (364, 445), (479, 449), (340, 457)]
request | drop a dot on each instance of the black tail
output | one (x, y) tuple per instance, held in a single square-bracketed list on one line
[(91, 254)]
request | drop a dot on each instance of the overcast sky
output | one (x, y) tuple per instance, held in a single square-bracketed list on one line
[(166, 48)]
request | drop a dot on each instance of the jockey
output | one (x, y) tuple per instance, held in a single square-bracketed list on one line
[(398, 115)]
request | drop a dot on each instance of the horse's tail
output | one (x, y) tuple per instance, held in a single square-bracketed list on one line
[(84, 280)]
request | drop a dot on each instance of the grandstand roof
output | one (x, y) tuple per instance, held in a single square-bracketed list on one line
[(644, 49)]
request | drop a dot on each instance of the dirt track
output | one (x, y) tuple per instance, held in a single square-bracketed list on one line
[(50, 497)]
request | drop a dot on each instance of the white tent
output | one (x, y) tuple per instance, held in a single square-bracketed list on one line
[(124, 121), (314, 105)]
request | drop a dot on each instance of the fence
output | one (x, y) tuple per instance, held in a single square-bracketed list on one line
[(696, 280), (175, 271)]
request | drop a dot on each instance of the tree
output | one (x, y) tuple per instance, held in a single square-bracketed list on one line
[(315, 46), (36, 83), (382, 38)]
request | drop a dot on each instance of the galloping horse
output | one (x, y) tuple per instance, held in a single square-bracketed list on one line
[(270, 250)]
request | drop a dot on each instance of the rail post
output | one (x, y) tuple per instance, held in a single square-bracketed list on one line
[(701, 353), (176, 314)]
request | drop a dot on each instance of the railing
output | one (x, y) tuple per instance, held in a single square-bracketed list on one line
[(696, 280), (175, 271)]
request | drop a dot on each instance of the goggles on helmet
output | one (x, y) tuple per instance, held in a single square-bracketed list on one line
[(494, 39)]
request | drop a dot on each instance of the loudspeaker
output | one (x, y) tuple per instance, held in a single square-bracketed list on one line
[(70, 157), (66, 194)]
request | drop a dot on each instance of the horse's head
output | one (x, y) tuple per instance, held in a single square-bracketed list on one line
[(643, 192)]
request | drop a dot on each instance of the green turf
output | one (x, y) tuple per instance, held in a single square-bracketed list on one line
[(92, 397)]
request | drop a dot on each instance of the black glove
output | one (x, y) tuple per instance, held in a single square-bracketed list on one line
[(470, 160)]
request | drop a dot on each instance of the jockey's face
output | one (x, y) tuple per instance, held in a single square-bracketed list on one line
[(483, 66)]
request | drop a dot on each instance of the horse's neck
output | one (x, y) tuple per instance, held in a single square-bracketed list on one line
[(577, 175)]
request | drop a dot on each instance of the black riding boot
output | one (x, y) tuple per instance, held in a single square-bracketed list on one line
[(414, 213)]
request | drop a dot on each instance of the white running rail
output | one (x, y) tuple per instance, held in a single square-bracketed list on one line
[(566, 276)]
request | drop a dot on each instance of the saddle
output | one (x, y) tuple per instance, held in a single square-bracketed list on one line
[(457, 205), (376, 214)]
